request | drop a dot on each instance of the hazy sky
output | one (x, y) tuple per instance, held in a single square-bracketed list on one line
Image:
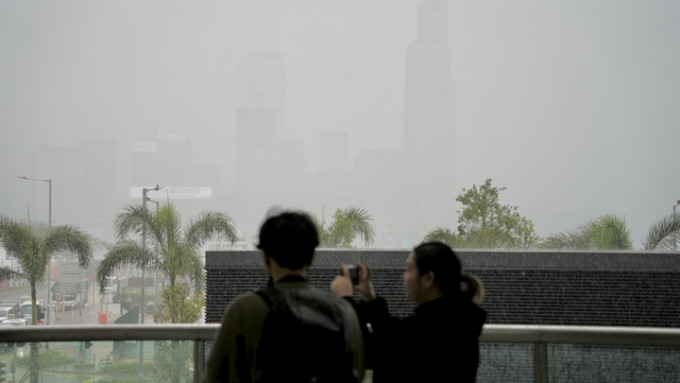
[(571, 105)]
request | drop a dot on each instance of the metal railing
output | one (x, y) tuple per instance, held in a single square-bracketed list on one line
[(538, 336)]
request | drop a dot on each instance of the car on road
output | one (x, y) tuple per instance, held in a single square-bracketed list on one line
[(5, 313), (26, 310), (71, 302), (14, 322)]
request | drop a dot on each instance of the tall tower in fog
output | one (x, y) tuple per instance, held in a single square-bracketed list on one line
[(429, 112), (266, 162)]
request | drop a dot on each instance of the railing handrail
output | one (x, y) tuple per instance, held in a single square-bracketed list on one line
[(66, 333), (492, 333), (601, 335)]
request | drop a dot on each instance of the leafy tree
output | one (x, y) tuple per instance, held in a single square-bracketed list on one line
[(663, 234), (180, 305), (607, 232), (485, 223), (33, 251), (170, 248), (346, 225)]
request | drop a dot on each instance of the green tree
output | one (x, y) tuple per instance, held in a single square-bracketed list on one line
[(170, 248), (33, 251), (347, 224), (180, 303), (484, 222), (607, 232), (663, 234)]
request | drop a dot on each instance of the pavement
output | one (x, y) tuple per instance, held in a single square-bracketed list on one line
[(88, 314)]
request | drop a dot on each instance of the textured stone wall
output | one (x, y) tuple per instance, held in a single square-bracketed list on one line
[(522, 287)]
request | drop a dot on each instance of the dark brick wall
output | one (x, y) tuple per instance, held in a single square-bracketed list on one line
[(522, 287)]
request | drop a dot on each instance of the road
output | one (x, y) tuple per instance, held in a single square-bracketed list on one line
[(88, 314), (70, 372)]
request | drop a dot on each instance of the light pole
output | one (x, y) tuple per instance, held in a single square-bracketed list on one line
[(49, 230), (143, 305), (144, 199)]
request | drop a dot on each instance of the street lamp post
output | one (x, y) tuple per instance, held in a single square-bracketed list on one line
[(143, 306), (49, 230)]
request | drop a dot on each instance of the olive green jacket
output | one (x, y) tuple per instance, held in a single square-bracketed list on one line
[(234, 349)]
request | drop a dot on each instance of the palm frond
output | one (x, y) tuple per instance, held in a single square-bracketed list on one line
[(663, 234), (574, 240), (126, 252), (180, 260), (362, 223), (72, 239), (442, 234), (133, 219), (608, 232), (28, 249), (13, 235), (6, 274), (167, 226), (208, 225)]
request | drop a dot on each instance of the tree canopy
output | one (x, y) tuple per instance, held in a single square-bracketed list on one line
[(34, 249), (607, 232), (663, 234), (347, 224), (169, 247), (484, 222)]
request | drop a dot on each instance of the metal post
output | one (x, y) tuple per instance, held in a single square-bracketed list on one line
[(540, 362), (49, 231), (142, 307), (49, 263)]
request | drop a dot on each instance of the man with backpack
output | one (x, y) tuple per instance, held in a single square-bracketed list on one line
[(290, 331)]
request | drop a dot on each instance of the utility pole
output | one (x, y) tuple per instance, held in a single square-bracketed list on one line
[(143, 306), (49, 231)]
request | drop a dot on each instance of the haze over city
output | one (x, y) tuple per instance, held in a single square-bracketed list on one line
[(393, 106)]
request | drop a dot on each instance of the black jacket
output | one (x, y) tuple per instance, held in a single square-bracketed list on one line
[(439, 343)]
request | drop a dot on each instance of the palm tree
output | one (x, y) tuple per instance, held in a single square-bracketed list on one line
[(444, 235), (33, 252), (346, 225), (663, 234), (607, 232), (172, 249)]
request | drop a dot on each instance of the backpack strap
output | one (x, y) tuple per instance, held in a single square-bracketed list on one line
[(270, 295)]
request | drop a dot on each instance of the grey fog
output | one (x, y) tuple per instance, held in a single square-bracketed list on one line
[(394, 106)]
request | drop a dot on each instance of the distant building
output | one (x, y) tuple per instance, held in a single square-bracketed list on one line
[(429, 113), (266, 160), (82, 176)]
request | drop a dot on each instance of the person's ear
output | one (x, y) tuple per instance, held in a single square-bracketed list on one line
[(428, 279)]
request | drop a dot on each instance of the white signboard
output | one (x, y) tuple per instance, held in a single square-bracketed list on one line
[(144, 147), (171, 136)]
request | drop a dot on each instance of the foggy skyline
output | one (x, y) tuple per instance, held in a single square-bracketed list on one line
[(571, 105)]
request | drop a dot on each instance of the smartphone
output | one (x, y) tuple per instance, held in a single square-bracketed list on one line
[(353, 273)]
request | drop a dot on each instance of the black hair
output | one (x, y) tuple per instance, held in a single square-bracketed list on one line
[(448, 271), (290, 238)]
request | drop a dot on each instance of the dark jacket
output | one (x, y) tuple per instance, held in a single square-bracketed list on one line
[(234, 350), (439, 343)]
